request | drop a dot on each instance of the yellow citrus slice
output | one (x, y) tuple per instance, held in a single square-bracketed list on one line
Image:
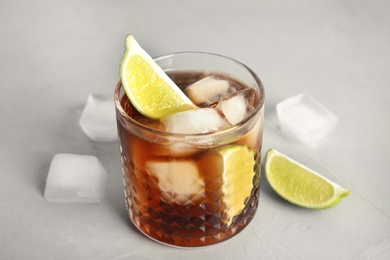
[(229, 172), (147, 86), (300, 185)]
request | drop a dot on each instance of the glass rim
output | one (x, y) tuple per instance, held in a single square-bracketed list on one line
[(232, 129)]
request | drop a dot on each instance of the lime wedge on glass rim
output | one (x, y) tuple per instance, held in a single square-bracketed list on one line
[(300, 185), (148, 87)]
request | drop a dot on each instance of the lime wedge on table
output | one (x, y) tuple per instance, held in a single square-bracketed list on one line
[(229, 170), (299, 184), (147, 86)]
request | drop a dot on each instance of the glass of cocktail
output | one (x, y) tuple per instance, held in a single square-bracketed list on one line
[(192, 178)]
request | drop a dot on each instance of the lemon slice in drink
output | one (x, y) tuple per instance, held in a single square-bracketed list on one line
[(147, 86), (299, 184), (229, 172)]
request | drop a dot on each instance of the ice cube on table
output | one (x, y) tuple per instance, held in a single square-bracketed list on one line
[(304, 119), (236, 106), (75, 178), (179, 181), (195, 121), (98, 120), (207, 90)]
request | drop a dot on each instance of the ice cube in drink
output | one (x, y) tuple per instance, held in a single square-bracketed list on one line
[(236, 106), (179, 181), (208, 90), (197, 121)]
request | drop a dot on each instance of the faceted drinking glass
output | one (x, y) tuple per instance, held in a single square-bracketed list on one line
[(177, 190)]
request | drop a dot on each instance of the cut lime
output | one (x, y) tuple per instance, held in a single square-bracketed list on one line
[(147, 86), (300, 185), (229, 172)]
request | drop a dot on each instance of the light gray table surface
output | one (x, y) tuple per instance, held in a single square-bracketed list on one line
[(53, 54)]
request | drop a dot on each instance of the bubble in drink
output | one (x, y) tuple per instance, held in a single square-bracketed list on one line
[(98, 118), (75, 178), (304, 119)]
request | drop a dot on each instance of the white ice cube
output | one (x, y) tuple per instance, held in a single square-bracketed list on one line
[(75, 178), (179, 181), (98, 119), (305, 119), (195, 121), (237, 105), (234, 109), (207, 90)]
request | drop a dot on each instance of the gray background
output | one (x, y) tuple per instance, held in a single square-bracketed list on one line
[(53, 54)]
